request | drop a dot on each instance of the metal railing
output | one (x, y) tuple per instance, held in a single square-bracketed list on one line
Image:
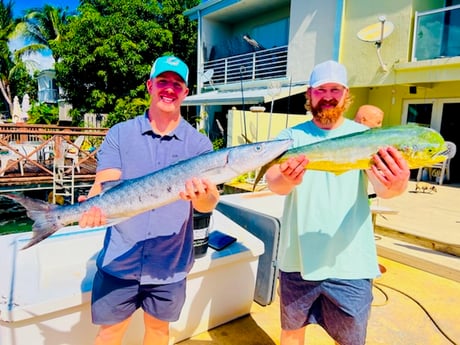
[(259, 65), (48, 96)]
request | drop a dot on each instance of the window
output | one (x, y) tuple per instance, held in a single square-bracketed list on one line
[(436, 34)]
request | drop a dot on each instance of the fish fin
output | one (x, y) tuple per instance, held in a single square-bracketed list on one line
[(261, 174), (42, 213), (338, 172), (247, 139)]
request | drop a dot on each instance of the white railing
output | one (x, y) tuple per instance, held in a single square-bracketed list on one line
[(262, 64), (48, 96)]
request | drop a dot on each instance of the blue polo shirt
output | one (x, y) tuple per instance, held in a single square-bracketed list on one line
[(155, 247)]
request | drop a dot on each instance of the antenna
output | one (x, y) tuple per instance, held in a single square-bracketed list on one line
[(274, 89), (376, 33)]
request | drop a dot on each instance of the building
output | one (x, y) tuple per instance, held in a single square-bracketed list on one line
[(401, 55)]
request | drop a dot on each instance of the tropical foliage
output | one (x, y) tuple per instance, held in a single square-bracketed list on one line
[(44, 114), (103, 53), (43, 28), (108, 50), (14, 79)]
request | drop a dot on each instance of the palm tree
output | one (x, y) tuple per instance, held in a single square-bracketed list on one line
[(7, 65), (43, 28)]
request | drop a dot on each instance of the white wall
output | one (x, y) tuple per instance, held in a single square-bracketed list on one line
[(314, 35)]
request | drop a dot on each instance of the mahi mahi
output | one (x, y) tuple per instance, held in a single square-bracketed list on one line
[(420, 146), (134, 196)]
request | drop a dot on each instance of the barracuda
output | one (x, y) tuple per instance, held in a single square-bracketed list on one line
[(134, 196), (420, 146)]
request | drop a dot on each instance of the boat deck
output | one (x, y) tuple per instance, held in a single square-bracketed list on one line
[(410, 306)]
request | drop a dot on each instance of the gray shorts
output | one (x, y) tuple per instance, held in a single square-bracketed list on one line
[(114, 300), (341, 307)]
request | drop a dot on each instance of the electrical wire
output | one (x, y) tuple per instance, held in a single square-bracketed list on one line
[(421, 306), (387, 298)]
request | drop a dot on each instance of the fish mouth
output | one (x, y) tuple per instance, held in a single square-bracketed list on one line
[(440, 154), (444, 152)]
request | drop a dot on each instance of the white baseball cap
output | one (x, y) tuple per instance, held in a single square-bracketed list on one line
[(328, 72)]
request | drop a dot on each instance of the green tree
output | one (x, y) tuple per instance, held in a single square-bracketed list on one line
[(7, 26), (107, 51), (184, 32), (23, 83), (44, 114), (43, 28), (14, 78)]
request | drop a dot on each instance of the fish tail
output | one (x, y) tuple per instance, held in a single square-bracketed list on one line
[(46, 222)]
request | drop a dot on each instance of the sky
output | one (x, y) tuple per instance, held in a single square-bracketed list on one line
[(21, 5), (40, 61)]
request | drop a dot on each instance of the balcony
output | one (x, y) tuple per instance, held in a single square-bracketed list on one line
[(48, 96), (436, 34), (259, 65)]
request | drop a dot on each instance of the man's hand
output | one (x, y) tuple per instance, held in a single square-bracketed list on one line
[(91, 218), (293, 169), (390, 173), (202, 193), (282, 178)]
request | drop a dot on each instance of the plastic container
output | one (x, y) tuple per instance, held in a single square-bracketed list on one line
[(201, 224)]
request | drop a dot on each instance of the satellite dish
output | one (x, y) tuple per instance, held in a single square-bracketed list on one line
[(376, 33), (206, 77)]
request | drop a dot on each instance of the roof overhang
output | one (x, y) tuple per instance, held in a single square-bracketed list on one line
[(249, 96)]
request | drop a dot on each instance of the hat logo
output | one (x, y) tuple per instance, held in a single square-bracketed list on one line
[(172, 61)]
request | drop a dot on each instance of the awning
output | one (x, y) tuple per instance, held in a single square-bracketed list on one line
[(248, 96)]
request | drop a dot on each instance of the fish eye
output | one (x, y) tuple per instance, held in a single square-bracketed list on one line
[(258, 148)]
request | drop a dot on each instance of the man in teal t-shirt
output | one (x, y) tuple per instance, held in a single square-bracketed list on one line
[(327, 256)]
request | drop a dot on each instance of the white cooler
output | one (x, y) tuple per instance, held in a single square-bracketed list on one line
[(45, 290)]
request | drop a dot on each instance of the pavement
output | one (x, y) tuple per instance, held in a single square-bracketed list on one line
[(425, 230), (417, 298), (410, 307)]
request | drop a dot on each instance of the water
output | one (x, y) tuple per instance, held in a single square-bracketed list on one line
[(13, 218)]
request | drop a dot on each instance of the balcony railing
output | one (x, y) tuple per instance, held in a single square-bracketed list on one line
[(437, 34), (259, 65), (48, 96)]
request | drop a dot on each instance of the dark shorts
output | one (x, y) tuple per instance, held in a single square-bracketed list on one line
[(341, 307), (114, 300)]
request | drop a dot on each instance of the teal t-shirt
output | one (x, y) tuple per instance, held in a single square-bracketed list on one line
[(326, 229)]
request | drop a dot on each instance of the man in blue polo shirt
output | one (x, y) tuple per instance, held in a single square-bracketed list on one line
[(145, 260)]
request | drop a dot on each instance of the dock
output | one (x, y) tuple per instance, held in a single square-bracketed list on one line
[(31, 155)]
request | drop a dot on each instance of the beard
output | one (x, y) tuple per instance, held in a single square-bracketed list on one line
[(327, 116)]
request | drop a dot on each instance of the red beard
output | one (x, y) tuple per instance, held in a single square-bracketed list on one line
[(327, 116)]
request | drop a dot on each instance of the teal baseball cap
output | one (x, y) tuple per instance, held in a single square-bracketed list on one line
[(329, 72), (169, 64)]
